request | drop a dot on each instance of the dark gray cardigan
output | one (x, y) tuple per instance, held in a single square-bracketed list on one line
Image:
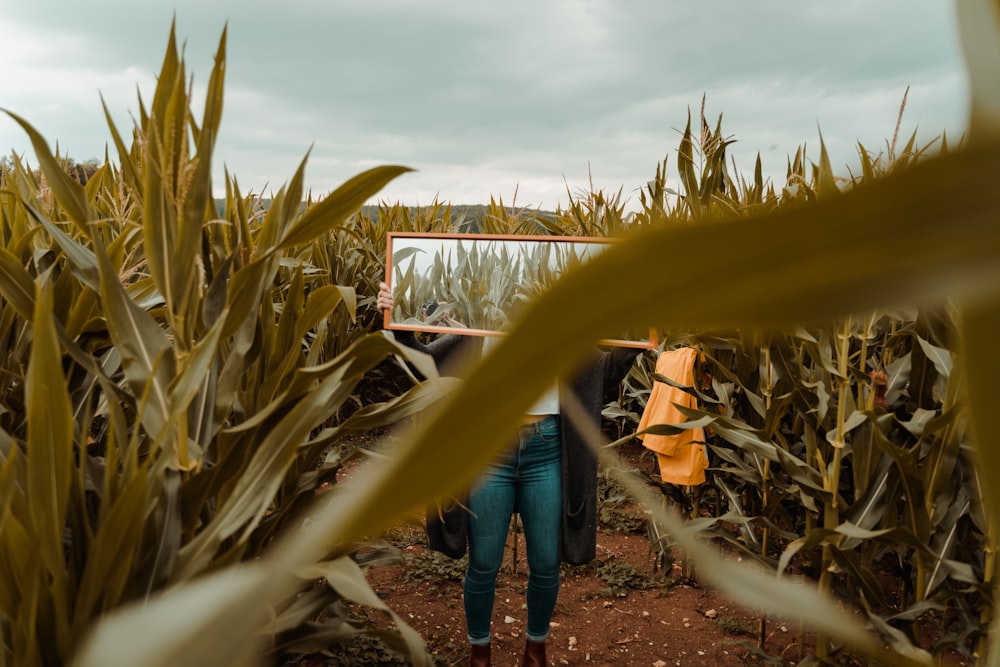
[(448, 526)]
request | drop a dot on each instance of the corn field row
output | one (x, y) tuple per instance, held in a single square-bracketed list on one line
[(175, 376)]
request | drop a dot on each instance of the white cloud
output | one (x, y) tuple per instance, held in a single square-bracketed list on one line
[(485, 98)]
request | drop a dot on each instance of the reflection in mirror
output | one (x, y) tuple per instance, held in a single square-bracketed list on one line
[(475, 284)]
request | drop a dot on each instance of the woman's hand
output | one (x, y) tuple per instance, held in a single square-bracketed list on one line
[(384, 300)]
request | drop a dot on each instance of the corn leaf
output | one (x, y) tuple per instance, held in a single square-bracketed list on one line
[(16, 285), (69, 193), (342, 202), (117, 540), (979, 27), (347, 578), (181, 619), (50, 456), (146, 351)]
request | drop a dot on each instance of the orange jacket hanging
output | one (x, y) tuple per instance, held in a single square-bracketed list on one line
[(682, 457)]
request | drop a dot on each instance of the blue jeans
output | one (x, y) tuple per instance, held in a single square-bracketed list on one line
[(528, 479)]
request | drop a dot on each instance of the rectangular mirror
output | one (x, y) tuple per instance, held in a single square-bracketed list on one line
[(473, 284)]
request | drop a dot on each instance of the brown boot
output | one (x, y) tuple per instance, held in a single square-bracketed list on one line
[(479, 655), (534, 654)]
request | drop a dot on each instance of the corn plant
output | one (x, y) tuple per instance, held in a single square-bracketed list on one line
[(170, 379)]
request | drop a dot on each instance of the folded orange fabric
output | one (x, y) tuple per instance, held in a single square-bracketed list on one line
[(682, 457)]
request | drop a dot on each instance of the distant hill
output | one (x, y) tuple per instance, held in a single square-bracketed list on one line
[(470, 214)]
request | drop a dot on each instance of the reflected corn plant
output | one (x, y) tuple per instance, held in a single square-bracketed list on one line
[(475, 282)]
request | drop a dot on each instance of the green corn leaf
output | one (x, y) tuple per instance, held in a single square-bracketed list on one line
[(198, 194), (265, 472), (338, 205), (192, 375), (11, 473), (686, 170), (214, 303), (147, 353), (27, 583), (128, 167), (157, 228), (16, 285), (68, 193), (862, 573), (181, 618), (50, 456), (117, 540), (347, 578), (826, 185), (322, 302), (81, 258), (979, 27), (418, 399), (980, 358), (940, 357), (246, 289), (248, 502)]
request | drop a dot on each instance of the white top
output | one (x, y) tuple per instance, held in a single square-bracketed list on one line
[(547, 403)]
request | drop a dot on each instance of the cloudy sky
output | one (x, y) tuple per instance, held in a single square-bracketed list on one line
[(525, 97)]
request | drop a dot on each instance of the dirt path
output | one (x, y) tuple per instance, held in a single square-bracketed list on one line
[(613, 612), (618, 610), (595, 623)]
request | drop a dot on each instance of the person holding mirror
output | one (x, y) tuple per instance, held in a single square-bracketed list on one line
[(548, 476), (438, 313)]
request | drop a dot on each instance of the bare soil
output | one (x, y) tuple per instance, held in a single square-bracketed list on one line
[(627, 608), (675, 622)]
